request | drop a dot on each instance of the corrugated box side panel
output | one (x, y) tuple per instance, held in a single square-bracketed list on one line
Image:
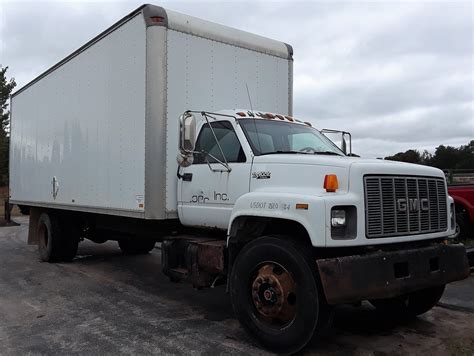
[(84, 124), (209, 75)]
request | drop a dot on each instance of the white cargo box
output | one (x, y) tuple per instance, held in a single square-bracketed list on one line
[(98, 132)]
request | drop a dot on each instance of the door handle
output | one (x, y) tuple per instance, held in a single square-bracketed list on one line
[(187, 177)]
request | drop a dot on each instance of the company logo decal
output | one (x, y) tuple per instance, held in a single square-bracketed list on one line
[(262, 175), (216, 197)]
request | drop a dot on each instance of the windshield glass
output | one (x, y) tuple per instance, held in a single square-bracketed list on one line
[(270, 136)]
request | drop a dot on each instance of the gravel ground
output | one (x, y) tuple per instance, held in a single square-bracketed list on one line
[(107, 303)]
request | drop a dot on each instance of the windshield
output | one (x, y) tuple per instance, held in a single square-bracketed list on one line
[(270, 137)]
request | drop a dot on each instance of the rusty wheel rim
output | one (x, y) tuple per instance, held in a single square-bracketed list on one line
[(274, 294)]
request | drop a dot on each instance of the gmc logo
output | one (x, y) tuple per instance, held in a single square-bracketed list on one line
[(412, 204)]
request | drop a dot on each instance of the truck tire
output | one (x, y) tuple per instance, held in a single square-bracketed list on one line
[(410, 305), (136, 246), (274, 293), (56, 242), (70, 240), (463, 226), (49, 238)]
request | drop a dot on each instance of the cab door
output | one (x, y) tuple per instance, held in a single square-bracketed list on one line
[(208, 190)]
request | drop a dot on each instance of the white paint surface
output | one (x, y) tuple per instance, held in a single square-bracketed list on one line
[(212, 76), (84, 123)]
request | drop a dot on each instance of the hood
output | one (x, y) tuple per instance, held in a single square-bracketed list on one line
[(304, 172), (376, 166)]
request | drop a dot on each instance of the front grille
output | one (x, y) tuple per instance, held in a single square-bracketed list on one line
[(404, 205)]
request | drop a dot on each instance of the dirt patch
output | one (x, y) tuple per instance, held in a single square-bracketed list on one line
[(463, 347)]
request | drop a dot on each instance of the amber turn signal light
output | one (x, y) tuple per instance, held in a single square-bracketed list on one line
[(330, 183)]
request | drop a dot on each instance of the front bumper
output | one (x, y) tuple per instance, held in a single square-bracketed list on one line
[(386, 274)]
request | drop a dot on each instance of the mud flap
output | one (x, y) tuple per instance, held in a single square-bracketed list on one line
[(33, 226)]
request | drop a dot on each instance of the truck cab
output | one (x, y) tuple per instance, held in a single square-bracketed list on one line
[(307, 226), (253, 163)]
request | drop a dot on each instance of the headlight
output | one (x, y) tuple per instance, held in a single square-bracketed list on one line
[(338, 217), (344, 222)]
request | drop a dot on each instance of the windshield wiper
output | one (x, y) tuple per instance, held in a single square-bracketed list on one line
[(279, 151), (327, 153)]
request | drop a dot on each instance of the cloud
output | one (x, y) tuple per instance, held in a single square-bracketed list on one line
[(398, 75)]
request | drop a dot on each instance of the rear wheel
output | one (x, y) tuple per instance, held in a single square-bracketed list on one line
[(410, 305), (56, 242), (49, 238), (71, 237), (136, 246), (274, 293)]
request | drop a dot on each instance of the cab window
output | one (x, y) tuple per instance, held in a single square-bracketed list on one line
[(206, 143)]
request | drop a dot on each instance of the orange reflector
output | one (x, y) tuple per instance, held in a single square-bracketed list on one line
[(270, 115), (302, 206), (330, 183), (241, 113)]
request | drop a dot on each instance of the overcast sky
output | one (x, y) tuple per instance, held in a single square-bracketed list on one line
[(397, 75)]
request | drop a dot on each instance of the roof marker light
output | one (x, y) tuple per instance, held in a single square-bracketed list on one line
[(280, 117), (240, 113), (308, 123), (289, 118), (269, 115), (157, 19)]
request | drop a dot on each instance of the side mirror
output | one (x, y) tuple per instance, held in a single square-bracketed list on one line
[(187, 124), (187, 139), (344, 136)]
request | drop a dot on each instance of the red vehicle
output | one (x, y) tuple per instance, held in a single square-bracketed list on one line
[(463, 196)]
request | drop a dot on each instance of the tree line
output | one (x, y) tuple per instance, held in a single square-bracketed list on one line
[(6, 87), (444, 157)]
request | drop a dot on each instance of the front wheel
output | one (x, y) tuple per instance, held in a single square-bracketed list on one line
[(274, 293), (412, 304)]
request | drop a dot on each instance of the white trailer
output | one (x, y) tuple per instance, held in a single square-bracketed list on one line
[(139, 136)]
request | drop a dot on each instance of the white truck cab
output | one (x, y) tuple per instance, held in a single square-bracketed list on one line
[(253, 163), (288, 199)]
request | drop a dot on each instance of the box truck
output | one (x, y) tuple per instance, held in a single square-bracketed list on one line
[(141, 136)]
